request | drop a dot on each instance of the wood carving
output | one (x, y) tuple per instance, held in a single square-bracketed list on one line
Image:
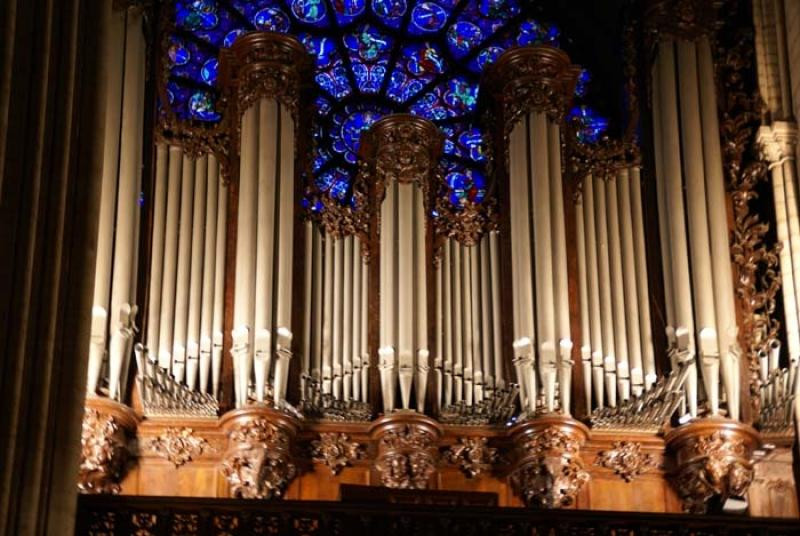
[(259, 463), (714, 462), (178, 445), (681, 19), (105, 452), (473, 455), (756, 259), (336, 450), (626, 459), (407, 449), (548, 472), (535, 78)]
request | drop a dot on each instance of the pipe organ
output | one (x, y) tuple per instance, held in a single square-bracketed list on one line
[(694, 226), (525, 314)]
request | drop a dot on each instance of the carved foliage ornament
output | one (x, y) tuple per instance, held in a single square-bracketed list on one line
[(719, 466), (682, 19), (525, 79), (550, 472), (336, 450), (104, 453), (407, 457), (626, 459), (178, 445), (473, 455), (756, 260), (258, 463), (402, 147)]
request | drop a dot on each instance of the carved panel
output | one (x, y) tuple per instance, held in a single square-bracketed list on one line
[(473, 455), (626, 459), (178, 445), (336, 450)]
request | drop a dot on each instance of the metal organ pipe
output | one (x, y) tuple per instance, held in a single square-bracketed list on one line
[(184, 254), (196, 273), (166, 324), (617, 289)]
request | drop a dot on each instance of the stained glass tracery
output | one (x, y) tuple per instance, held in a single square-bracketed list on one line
[(373, 57)]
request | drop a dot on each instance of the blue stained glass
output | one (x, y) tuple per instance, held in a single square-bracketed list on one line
[(201, 106), (428, 17), (354, 125), (423, 79), (272, 19), (462, 37), (322, 48), (232, 36), (347, 10), (368, 43), (583, 83), (309, 11), (178, 54), (484, 58), (209, 71), (592, 126), (390, 11)]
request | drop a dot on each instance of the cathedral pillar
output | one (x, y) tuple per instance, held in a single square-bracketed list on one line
[(51, 146), (400, 153)]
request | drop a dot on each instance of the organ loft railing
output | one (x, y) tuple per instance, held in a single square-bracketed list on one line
[(302, 329)]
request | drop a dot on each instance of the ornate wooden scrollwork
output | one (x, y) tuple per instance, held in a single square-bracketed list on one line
[(525, 79), (681, 19), (626, 459), (178, 445), (336, 450), (105, 451), (473, 455), (714, 459), (407, 449), (757, 278), (548, 471), (259, 463)]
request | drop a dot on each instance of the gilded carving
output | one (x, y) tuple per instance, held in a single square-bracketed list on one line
[(407, 457), (104, 453), (336, 450), (402, 148), (535, 78), (683, 19), (549, 472), (178, 445), (756, 259), (473, 455), (626, 459), (258, 463), (717, 466)]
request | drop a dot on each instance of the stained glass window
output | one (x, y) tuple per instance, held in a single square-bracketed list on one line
[(373, 58)]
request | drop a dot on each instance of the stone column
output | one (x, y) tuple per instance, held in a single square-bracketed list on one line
[(51, 147)]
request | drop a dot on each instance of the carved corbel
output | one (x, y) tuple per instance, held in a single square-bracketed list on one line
[(473, 455), (714, 460), (106, 434), (548, 471), (407, 453), (336, 450), (259, 463), (626, 459)]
